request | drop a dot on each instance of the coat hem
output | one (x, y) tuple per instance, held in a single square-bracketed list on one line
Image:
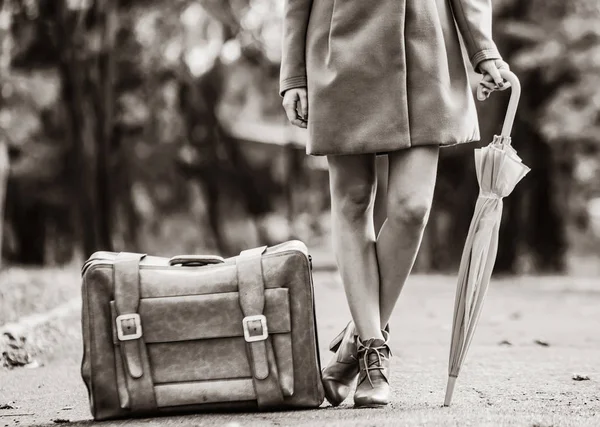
[(444, 144)]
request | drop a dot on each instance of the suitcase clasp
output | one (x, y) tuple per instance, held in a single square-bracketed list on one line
[(255, 328), (129, 327)]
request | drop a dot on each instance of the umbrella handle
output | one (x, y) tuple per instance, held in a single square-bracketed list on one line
[(515, 94)]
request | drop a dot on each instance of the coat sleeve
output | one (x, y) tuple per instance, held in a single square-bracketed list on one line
[(293, 53), (474, 20)]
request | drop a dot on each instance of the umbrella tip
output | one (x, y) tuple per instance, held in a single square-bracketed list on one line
[(449, 390)]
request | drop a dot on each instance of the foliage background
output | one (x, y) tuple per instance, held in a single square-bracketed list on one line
[(157, 126)]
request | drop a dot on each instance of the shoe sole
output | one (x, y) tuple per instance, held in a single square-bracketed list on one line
[(371, 406)]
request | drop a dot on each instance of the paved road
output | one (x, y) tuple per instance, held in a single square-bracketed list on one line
[(518, 382)]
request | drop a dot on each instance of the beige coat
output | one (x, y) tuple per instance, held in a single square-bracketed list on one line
[(383, 75)]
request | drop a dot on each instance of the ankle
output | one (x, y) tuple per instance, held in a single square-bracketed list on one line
[(383, 335), (373, 337), (370, 332)]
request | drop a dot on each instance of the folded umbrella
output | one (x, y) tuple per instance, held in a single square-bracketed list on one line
[(499, 169)]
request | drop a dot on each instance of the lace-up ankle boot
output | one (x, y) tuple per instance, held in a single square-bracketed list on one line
[(373, 388)]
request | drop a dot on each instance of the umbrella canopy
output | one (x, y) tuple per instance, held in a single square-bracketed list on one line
[(499, 169)]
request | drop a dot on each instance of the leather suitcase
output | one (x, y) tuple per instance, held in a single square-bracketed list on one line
[(200, 333)]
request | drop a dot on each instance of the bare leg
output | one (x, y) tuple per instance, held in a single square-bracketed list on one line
[(412, 175), (380, 214), (352, 185)]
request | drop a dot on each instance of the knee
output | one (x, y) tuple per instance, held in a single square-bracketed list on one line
[(409, 211), (352, 201)]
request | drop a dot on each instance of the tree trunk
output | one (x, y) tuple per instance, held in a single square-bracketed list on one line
[(105, 100), (5, 57), (81, 169), (88, 98), (4, 169), (28, 224)]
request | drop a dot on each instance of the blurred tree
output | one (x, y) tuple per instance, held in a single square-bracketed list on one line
[(137, 121), (5, 54), (554, 49), (85, 35), (122, 125), (22, 97)]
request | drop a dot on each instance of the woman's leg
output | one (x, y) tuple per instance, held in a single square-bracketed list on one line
[(380, 214), (411, 181), (352, 184)]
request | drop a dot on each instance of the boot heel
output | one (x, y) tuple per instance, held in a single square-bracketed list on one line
[(342, 370), (335, 343)]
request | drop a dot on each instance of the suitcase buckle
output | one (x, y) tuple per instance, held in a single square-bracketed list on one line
[(129, 327), (255, 332)]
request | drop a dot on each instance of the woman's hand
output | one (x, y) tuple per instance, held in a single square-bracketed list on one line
[(297, 114), (491, 80)]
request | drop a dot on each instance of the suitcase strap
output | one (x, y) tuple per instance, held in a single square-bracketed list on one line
[(140, 387), (260, 347)]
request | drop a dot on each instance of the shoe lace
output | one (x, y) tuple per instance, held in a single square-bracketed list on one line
[(377, 363)]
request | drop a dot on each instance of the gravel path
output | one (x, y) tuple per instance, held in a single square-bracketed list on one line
[(534, 334)]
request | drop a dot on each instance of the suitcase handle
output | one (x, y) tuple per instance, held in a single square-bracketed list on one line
[(195, 260), (515, 94)]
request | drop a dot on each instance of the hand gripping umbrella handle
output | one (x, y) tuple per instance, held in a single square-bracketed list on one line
[(515, 94)]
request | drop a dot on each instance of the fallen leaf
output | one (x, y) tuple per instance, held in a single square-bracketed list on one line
[(505, 342), (542, 343), (577, 377), (8, 406), (10, 336), (14, 358)]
